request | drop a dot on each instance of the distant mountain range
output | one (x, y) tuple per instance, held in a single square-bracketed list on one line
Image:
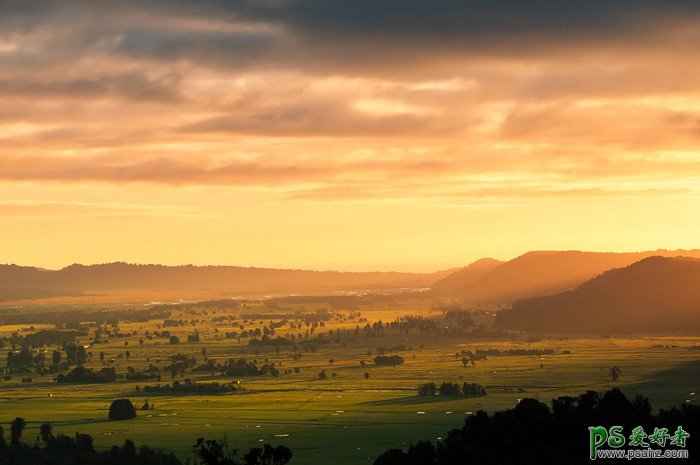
[(535, 274), (656, 294), (29, 282), (486, 281)]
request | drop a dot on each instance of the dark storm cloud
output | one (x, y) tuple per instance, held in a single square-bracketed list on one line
[(469, 26), (352, 34)]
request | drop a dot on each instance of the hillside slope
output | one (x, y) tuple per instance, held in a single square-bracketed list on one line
[(457, 281), (654, 294), (543, 273)]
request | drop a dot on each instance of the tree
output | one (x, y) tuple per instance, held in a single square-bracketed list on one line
[(16, 428), (427, 389), (267, 455), (448, 389), (615, 373), (75, 354), (122, 409), (213, 452), (46, 432)]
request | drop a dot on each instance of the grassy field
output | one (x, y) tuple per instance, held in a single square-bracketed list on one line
[(346, 417)]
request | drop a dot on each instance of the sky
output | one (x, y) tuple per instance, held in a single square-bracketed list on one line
[(349, 135)]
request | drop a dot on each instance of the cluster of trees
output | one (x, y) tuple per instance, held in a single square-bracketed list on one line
[(180, 363), (514, 352), (241, 367), (150, 373), (448, 389), (390, 360), (74, 318), (25, 360), (189, 387), (75, 354), (212, 452), (534, 433), (269, 341), (84, 375), (453, 324), (47, 336), (50, 449), (20, 361)]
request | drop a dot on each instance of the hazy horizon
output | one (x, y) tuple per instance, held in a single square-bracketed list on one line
[(408, 269)]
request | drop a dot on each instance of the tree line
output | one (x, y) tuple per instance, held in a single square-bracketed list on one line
[(61, 449), (448, 389), (534, 433)]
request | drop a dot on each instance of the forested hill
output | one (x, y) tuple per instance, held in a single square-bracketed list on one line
[(652, 295)]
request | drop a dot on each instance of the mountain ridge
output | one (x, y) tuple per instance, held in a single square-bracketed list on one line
[(543, 272), (119, 276), (654, 294)]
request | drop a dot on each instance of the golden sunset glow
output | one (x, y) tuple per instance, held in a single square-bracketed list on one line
[(340, 135)]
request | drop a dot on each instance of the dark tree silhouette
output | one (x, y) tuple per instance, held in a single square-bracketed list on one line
[(122, 409), (16, 428), (213, 452), (532, 433), (79, 450), (391, 360), (267, 455), (46, 432), (427, 389)]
